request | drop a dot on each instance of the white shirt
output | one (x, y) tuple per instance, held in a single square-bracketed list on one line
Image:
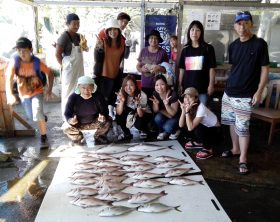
[(209, 119)]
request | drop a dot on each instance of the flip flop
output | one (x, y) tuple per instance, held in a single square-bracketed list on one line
[(243, 166), (228, 154), (192, 144), (204, 154)]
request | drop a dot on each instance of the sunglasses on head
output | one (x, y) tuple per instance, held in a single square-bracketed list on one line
[(243, 13)]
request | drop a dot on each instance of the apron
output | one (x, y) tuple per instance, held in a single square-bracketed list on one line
[(72, 69)]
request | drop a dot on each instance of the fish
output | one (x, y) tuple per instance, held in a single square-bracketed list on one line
[(184, 181), (147, 147), (98, 156), (169, 164), (114, 196), (85, 202), (97, 177), (166, 158), (106, 163), (84, 166), (155, 208), (115, 211), (149, 183), (112, 149), (84, 181), (140, 167), (144, 175), (140, 198), (134, 162), (177, 172), (82, 191), (107, 188), (133, 157)]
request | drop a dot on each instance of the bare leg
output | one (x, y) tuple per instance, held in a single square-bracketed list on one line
[(42, 127), (244, 144), (234, 140)]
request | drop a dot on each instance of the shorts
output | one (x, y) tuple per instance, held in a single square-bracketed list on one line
[(237, 112), (33, 107)]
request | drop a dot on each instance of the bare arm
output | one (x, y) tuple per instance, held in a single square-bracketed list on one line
[(263, 81), (192, 123), (58, 54), (211, 88)]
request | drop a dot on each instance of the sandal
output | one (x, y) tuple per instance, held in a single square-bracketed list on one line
[(204, 154), (228, 154), (193, 144), (243, 166)]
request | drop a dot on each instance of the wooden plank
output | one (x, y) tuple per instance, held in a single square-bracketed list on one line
[(21, 120), (28, 132)]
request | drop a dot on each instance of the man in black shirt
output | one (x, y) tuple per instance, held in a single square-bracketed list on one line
[(86, 109)]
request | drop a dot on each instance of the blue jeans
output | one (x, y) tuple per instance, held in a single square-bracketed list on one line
[(33, 107), (165, 124)]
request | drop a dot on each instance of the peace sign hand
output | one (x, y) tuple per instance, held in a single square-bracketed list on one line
[(137, 100), (120, 96), (154, 100), (182, 106), (167, 98)]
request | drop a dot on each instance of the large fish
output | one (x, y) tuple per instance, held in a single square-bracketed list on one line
[(134, 162), (112, 187), (106, 163), (140, 198), (177, 172), (82, 191), (115, 211), (166, 158), (133, 157), (114, 196), (140, 167), (170, 163), (97, 156), (149, 183), (89, 202), (155, 208), (147, 147), (144, 175), (84, 181), (112, 149), (184, 181)]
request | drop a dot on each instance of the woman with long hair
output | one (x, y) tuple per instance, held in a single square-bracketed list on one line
[(197, 63), (132, 108), (197, 118), (165, 106)]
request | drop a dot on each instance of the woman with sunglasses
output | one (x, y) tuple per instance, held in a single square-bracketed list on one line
[(197, 63)]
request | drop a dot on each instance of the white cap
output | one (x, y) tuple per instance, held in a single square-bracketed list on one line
[(112, 23)]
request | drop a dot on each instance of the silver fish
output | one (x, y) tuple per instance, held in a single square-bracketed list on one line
[(84, 181), (147, 147), (144, 175), (84, 166), (89, 202), (98, 156), (169, 164), (155, 208), (114, 196), (82, 191), (149, 183), (111, 178), (133, 157), (184, 181), (106, 163), (100, 170), (134, 162), (177, 172), (140, 167), (112, 149), (140, 198), (115, 211), (166, 158), (107, 188)]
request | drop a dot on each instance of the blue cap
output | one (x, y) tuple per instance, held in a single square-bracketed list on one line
[(245, 16)]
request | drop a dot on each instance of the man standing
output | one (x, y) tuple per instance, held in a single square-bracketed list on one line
[(248, 75)]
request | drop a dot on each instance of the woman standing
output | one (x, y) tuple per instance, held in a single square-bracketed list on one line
[(132, 109), (173, 44), (149, 61), (198, 118), (114, 50), (165, 107), (69, 55), (197, 63)]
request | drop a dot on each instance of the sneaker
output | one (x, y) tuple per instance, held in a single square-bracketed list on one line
[(143, 135), (44, 142), (204, 154), (162, 136), (175, 135)]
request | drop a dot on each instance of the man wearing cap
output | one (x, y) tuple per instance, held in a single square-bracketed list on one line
[(86, 109), (30, 85), (248, 76), (69, 56)]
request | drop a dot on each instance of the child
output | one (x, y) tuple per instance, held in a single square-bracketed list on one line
[(198, 118), (30, 86)]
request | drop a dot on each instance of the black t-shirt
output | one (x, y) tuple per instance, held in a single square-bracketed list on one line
[(197, 62), (65, 42), (174, 98), (246, 58), (87, 110)]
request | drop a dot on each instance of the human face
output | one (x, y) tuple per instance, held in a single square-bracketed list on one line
[(123, 23), (74, 26), (153, 40), (173, 43), (244, 29), (24, 54), (188, 100), (130, 88), (86, 90), (160, 86), (195, 33), (113, 33)]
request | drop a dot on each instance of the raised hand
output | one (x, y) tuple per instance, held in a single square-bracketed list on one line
[(167, 98), (137, 100), (182, 106), (120, 96), (154, 100), (99, 43)]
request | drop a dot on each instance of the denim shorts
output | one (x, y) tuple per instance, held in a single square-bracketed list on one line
[(33, 107), (237, 112)]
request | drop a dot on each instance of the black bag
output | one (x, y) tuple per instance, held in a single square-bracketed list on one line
[(99, 59)]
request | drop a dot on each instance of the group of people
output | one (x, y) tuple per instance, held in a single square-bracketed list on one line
[(88, 103)]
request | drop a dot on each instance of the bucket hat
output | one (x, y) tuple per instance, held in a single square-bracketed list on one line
[(85, 80), (155, 33), (112, 23)]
